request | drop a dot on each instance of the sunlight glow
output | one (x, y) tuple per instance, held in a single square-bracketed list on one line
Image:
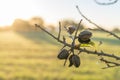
[(56, 10), (12, 9)]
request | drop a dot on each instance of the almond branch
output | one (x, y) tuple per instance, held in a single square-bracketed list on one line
[(80, 49)]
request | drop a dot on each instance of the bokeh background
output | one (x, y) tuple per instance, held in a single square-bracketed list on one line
[(28, 53)]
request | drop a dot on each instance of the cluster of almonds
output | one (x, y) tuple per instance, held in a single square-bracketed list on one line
[(73, 59), (64, 54)]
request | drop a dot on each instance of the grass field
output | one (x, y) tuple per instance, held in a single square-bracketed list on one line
[(33, 56)]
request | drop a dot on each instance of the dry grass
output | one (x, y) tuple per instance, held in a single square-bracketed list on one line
[(32, 56)]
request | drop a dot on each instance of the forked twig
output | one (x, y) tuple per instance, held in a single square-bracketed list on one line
[(109, 64), (116, 36)]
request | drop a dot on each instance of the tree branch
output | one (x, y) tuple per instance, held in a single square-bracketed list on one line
[(84, 50), (116, 36), (81, 49), (108, 3)]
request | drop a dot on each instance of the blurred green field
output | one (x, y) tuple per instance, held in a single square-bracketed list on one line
[(33, 56)]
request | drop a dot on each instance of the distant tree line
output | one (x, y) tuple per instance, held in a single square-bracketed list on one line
[(28, 25)]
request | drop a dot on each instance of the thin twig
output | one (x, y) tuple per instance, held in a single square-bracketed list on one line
[(116, 36), (65, 62), (64, 39), (45, 31), (73, 43), (67, 58), (114, 64), (109, 67), (108, 3), (76, 32), (110, 62), (59, 30)]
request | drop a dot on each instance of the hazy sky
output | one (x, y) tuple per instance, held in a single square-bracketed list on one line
[(53, 11)]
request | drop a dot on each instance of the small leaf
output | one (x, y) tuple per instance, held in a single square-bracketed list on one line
[(90, 44)]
